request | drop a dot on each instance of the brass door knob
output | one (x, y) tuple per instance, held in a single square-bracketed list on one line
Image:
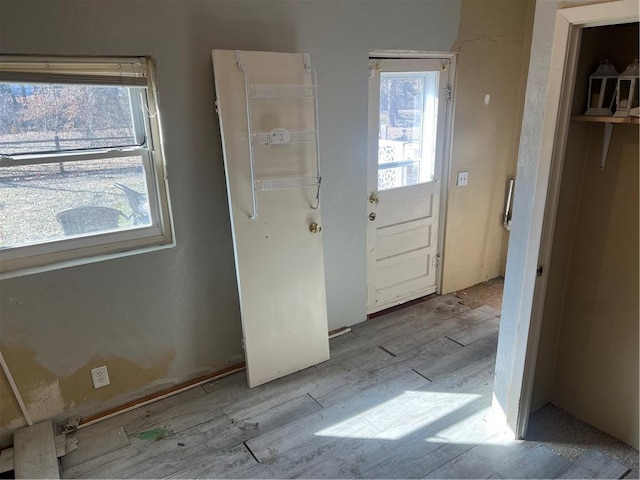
[(372, 216), (373, 198), (315, 228)]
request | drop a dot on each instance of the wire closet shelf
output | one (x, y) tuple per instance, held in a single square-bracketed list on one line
[(279, 137)]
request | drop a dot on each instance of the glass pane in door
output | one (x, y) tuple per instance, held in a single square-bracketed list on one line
[(408, 125)]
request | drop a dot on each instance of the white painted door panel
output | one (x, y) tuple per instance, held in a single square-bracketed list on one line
[(406, 149), (279, 261)]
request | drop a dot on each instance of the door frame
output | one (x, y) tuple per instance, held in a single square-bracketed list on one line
[(517, 373), (448, 138)]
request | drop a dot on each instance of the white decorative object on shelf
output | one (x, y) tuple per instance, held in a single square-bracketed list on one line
[(602, 88), (627, 91)]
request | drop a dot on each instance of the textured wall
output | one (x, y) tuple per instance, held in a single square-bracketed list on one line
[(493, 55)]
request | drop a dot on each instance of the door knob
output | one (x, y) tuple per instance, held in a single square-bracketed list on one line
[(315, 228), (373, 198), (372, 216)]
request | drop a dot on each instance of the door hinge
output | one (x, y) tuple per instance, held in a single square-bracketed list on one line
[(539, 270), (436, 260), (449, 92)]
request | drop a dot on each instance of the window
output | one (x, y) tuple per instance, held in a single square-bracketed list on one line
[(408, 128), (81, 167)]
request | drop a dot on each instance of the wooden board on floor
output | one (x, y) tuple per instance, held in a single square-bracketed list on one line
[(94, 443), (6, 460), (159, 453), (34, 451), (594, 464)]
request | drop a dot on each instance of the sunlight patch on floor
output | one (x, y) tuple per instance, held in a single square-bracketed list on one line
[(402, 415)]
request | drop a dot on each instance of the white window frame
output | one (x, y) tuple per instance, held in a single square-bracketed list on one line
[(77, 250)]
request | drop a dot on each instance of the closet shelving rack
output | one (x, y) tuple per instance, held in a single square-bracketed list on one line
[(281, 137)]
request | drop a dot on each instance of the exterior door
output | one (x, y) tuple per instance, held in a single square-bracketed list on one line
[(267, 111), (407, 119)]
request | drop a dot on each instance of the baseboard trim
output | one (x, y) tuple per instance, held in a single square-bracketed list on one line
[(154, 397)]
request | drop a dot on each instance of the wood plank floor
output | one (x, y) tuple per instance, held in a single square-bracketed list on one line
[(406, 395)]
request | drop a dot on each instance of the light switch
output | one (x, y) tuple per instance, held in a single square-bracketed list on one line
[(463, 178)]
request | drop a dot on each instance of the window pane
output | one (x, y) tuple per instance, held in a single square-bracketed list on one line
[(408, 126), (46, 118), (40, 203)]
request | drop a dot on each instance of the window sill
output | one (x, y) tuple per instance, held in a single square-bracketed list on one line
[(51, 262)]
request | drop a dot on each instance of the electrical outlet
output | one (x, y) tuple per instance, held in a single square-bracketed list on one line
[(100, 376), (463, 178)]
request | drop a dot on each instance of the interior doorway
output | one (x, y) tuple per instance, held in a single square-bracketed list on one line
[(536, 203), (409, 120)]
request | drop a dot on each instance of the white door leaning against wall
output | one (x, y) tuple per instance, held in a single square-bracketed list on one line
[(268, 118)]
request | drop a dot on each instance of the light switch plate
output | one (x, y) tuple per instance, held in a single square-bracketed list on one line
[(463, 178)]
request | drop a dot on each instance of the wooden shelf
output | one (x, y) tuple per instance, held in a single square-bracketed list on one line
[(611, 119), (608, 129)]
